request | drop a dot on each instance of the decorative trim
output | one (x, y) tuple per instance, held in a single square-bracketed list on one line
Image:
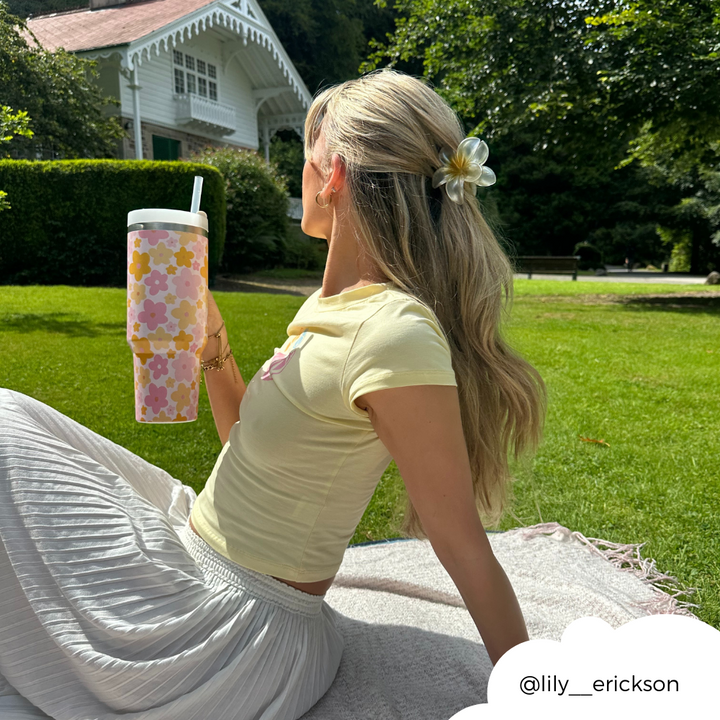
[(240, 17)]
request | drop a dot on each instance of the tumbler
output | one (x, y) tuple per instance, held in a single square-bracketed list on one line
[(167, 311)]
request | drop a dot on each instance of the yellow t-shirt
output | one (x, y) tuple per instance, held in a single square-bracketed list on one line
[(301, 464)]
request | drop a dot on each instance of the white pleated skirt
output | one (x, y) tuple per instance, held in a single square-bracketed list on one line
[(111, 607)]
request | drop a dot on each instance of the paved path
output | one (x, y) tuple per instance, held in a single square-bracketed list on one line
[(626, 277), (307, 286)]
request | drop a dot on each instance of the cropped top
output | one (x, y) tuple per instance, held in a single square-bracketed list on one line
[(301, 464)]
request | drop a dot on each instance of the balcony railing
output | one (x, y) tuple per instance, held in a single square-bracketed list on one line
[(199, 111)]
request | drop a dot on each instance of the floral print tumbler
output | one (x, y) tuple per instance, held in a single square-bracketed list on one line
[(167, 311)]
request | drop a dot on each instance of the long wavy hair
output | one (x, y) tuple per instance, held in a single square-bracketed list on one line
[(389, 128)]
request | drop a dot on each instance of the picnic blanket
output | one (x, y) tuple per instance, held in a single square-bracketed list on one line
[(411, 648)]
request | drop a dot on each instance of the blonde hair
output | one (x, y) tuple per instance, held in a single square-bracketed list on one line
[(389, 127)]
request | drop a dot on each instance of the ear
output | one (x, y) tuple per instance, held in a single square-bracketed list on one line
[(336, 179)]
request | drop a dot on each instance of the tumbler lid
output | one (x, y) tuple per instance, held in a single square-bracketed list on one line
[(165, 215)]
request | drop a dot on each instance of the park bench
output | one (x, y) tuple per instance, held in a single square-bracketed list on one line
[(548, 264)]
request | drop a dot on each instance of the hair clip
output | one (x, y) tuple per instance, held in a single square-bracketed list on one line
[(465, 165)]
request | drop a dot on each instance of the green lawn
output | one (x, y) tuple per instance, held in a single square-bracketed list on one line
[(641, 375)]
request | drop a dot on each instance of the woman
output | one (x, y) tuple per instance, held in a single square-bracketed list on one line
[(397, 356)]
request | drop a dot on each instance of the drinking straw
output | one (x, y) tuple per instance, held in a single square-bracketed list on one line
[(197, 192)]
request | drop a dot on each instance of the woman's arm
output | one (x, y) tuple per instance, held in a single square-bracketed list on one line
[(225, 387), (421, 427)]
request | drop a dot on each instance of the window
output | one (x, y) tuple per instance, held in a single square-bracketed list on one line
[(194, 76), (179, 82)]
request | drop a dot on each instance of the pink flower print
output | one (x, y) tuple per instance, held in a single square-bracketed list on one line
[(154, 236), (194, 348), (187, 284), (172, 241), (153, 314), (157, 282), (159, 366), (195, 265), (156, 398), (183, 368)]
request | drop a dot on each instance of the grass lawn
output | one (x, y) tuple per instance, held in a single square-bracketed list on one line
[(640, 374)]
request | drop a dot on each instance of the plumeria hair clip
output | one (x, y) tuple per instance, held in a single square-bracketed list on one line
[(465, 165)]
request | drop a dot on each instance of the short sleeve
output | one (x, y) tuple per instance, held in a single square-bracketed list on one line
[(399, 345)]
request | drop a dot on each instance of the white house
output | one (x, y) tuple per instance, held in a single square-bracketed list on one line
[(187, 73)]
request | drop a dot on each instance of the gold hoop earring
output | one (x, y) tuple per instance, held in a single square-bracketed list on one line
[(318, 202)]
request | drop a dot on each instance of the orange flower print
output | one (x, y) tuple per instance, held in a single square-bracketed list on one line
[(170, 382), (141, 348), (187, 238), (180, 418), (170, 269), (170, 299), (171, 354), (137, 242), (136, 327), (162, 416), (199, 304), (161, 254), (160, 339), (184, 257), (137, 294), (181, 397), (143, 376), (204, 270), (128, 302), (140, 265), (183, 340), (143, 410), (185, 314)]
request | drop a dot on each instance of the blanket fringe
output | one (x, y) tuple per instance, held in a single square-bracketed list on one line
[(626, 557)]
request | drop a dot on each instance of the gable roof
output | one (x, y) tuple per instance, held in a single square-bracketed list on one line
[(108, 27)]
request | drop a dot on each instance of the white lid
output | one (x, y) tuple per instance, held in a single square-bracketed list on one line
[(164, 215)]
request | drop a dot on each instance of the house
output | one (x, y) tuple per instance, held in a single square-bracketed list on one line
[(187, 73)]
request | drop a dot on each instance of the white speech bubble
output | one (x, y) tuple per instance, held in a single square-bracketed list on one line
[(659, 666)]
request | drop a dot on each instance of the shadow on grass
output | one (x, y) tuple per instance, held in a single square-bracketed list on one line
[(673, 303), (69, 324)]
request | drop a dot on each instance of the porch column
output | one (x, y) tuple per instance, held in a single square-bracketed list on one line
[(137, 125), (266, 140)]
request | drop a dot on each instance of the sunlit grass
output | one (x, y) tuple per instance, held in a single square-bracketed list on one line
[(642, 377)]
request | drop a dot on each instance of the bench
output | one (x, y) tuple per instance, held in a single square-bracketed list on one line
[(548, 264)]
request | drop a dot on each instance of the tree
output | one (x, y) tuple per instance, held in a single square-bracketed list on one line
[(24, 8), (58, 93), (10, 126), (327, 39), (605, 82)]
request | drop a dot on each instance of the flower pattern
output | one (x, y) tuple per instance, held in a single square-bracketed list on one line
[(167, 318), (161, 254), (184, 257), (140, 265), (153, 237), (465, 165), (157, 282), (186, 314), (153, 314), (156, 398), (187, 284)]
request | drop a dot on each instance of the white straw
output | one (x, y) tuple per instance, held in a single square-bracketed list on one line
[(197, 192)]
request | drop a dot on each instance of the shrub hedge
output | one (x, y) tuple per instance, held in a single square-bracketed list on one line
[(257, 205), (68, 218)]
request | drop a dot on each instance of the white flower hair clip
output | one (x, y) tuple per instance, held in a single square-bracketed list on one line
[(465, 165)]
